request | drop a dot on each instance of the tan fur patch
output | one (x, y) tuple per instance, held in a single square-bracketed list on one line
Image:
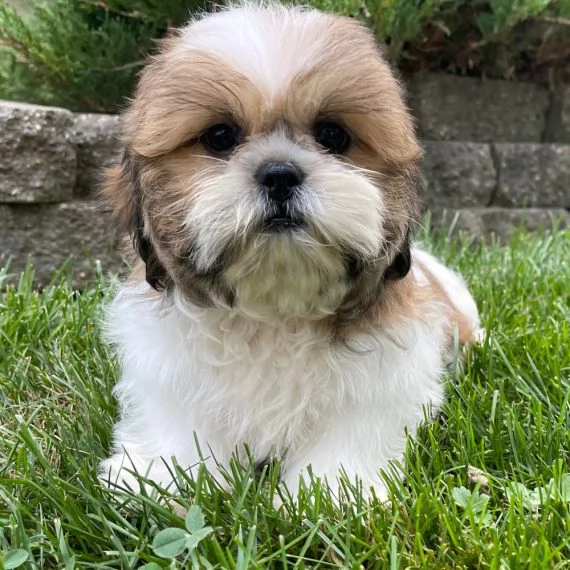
[(437, 293)]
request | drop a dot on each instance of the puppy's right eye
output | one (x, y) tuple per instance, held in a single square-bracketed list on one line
[(332, 137), (221, 138)]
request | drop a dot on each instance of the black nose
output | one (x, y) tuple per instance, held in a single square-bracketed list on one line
[(279, 180)]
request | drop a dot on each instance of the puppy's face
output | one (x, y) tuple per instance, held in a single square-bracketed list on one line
[(270, 165)]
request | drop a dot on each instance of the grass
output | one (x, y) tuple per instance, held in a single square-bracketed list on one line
[(507, 415)]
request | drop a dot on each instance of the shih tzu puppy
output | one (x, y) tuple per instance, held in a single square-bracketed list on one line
[(270, 183)]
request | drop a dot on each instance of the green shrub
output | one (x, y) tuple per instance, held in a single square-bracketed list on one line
[(81, 54), (85, 54)]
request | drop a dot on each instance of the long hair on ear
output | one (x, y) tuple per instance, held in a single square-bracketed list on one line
[(121, 189), (402, 261)]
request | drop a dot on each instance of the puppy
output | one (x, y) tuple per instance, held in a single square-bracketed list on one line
[(270, 184)]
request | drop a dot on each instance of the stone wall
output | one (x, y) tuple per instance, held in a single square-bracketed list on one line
[(49, 171), (497, 155)]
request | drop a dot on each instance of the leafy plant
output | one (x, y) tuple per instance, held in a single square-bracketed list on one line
[(474, 504), (553, 491), (173, 542), (13, 558)]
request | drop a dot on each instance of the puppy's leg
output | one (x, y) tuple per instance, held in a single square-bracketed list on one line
[(357, 444), (123, 471), (151, 449), (450, 287)]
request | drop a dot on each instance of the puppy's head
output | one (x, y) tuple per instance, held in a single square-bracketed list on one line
[(270, 165)]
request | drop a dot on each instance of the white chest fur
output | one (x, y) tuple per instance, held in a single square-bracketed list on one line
[(277, 386)]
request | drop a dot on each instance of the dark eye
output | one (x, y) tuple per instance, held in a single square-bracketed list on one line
[(221, 138), (332, 137)]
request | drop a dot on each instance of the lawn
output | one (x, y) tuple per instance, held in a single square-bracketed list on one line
[(487, 484)]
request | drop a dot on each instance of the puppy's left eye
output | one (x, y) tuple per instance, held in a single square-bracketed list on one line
[(332, 137), (221, 138)]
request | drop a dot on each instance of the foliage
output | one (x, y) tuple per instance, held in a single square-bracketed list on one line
[(12, 558), (527, 39), (85, 54), (487, 483), (81, 54), (172, 542)]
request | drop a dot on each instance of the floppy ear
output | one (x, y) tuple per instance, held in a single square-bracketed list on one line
[(122, 191), (402, 262)]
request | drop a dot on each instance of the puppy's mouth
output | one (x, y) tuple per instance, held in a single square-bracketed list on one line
[(283, 222)]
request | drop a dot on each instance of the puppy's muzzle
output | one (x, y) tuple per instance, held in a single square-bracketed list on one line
[(280, 182)]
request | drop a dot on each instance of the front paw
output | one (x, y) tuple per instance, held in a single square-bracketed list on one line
[(124, 472), (343, 487)]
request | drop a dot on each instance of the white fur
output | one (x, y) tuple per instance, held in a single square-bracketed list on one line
[(270, 47), (276, 386)]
